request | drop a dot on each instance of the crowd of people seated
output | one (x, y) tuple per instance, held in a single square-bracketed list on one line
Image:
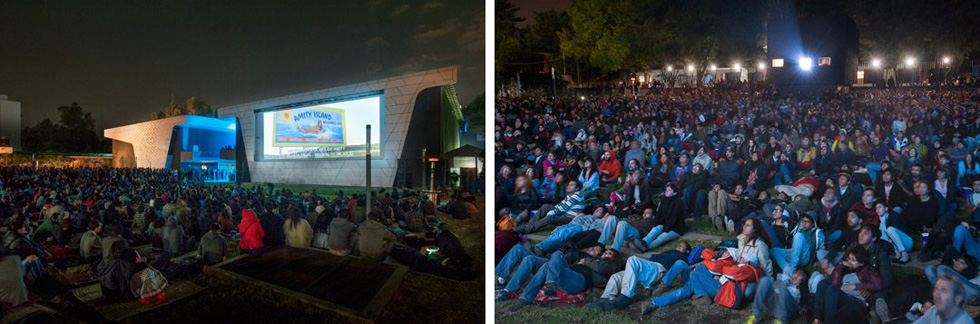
[(121, 221), (822, 191)]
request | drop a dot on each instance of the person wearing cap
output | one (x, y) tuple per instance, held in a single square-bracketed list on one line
[(801, 251)]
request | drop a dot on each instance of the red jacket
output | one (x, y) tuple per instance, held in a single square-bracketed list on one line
[(251, 230), (611, 165), (870, 280)]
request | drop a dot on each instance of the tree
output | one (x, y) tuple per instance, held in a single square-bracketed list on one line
[(473, 114), (601, 32), (75, 133), (507, 37), (191, 107)]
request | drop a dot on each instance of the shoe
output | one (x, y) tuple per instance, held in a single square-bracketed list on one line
[(647, 308), (639, 244), (701, 301), (600, 304), (520, 304), (719, 223), (620, 302), (729, 225), (881, 308), (499, 283), (550, 290), (660, 290), (501, 295)]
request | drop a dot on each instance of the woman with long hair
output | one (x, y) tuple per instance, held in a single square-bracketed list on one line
[(299, 233), (589, 177)]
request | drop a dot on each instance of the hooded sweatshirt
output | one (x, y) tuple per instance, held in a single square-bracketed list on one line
[(612, 166), (251, 230)]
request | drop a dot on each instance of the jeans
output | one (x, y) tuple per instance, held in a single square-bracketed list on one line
[(785, 176), (658, 237), (555, 271), (694, 201), (679, 268), (642, 271), (528, 267), (873, 169), (510, 260), (542, 219), (558, 236), (701, 283), (608, 229), (796, 256), (963, 241), (775, 296), (34, 268), (624, 231), (971, 289), (900, 241), (831, 305)]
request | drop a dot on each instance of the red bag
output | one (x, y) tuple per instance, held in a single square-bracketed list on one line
[(716, 266), (154, 300), (731, 293)]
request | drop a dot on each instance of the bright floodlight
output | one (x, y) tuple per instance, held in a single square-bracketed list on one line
[(582, 97), (738, 67), (806, 63), (909, 61), (670, 68), (690, 68), (762, 66), (713, 67), (946, 60), (876, 63)]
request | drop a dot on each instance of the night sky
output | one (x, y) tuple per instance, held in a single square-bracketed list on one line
[(122, 60), (527, 8)]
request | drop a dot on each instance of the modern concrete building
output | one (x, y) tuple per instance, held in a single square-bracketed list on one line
[(10, 121), (419, 113)]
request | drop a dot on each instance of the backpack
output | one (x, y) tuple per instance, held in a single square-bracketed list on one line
[(732, 291)]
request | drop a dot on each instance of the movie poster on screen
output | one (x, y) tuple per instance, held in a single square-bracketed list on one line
[(311, 126)]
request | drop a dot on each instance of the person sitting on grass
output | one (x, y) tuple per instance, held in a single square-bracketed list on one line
[(573, 205), (213, 247), (845, 297), (704, 285), (584, 273), (801, 252), (893, 231), (669, 223), (650, 272), (781, 296)]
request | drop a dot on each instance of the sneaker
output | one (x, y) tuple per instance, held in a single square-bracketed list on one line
[(501, 295), (729, 225), (638, 244), (647, 308), (550, 290), (601, 305), (701, 301), (620, 302), (520, 304), (499, 283), (660, 290), (881, 308), (719, 223)]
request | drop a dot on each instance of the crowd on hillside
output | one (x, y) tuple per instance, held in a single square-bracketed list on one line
[(56, 218), (823, 193)]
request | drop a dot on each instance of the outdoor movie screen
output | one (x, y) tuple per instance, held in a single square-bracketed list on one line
[(322, 130)]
